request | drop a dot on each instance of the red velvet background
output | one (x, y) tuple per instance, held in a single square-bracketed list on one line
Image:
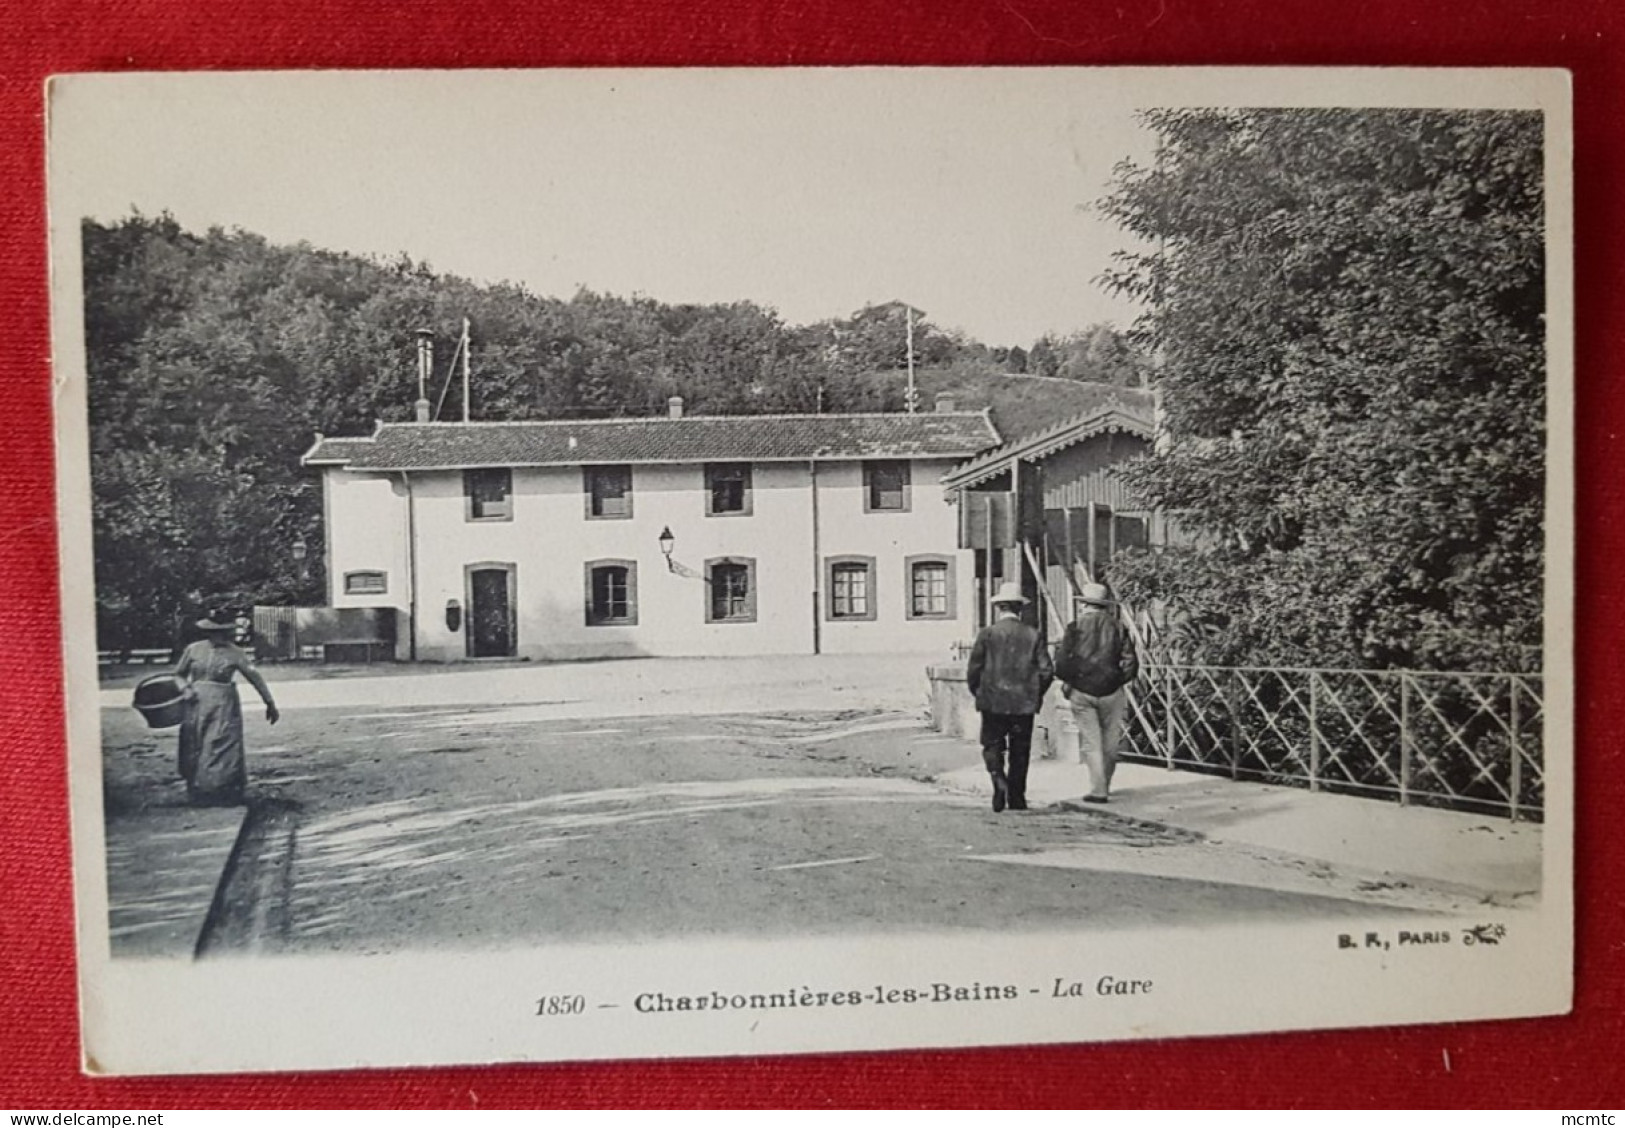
[(1570, 1062)]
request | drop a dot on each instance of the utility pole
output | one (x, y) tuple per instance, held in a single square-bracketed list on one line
[(912, 397), (465, 369)]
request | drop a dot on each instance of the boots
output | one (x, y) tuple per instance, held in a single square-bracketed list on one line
[(1001, 791)]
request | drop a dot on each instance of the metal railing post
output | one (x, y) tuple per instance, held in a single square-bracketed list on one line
[(1168, 717), (1404, 740), (1235, 723), (1314, 734), (1516, 781)]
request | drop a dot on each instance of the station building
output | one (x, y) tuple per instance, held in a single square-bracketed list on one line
[(673, 535)]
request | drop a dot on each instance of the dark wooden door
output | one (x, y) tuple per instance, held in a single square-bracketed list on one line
[(490, 627)]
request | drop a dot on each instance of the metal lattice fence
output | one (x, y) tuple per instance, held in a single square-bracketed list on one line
[(1469, 741)]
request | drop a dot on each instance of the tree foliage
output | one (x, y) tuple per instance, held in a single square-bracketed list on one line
[(1348, 311), (1099, 354)]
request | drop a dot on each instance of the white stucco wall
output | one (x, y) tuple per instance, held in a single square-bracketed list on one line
[(928, 527), (549, 541), (365, 517)]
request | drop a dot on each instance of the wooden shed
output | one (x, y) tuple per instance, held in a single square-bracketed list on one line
[(1049, 510)]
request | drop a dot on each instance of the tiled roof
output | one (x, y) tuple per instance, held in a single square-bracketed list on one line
[(1024, 405), (694, 438), (1132, 417), (334, 452)]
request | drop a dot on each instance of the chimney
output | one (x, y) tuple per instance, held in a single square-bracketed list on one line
[(945, 403), (425, 370), (674, 407)]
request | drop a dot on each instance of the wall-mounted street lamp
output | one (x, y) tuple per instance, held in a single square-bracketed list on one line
[(667, 543)]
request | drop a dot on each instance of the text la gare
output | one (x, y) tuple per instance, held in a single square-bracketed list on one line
[(1106, 985)]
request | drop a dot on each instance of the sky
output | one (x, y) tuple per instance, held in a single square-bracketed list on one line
[(967, 193)]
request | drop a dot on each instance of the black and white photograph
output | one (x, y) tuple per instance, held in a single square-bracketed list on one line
[(590, 564)]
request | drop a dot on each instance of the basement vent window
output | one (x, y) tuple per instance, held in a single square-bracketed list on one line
[(366, 583)]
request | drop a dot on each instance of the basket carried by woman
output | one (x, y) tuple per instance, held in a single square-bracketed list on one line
[(161, 699)]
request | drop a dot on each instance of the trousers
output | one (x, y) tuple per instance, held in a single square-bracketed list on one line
[(1012, 732), (1100, 730)]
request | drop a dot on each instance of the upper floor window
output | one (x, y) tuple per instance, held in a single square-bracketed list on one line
[(732, 585), (612, 593), (852, 587), (930, 587), (365, 583), (885, 486), (489, 494), (609, 491), (727, 489)]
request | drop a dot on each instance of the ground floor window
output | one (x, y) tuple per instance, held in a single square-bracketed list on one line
[(731, 590), (930, 587), (851, 586), (612, 593)]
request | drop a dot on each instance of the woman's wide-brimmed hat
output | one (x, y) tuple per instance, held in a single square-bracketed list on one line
[(1009, 592), (1095, 595)]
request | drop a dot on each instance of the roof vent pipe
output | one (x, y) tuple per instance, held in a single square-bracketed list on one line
[(674, 407)]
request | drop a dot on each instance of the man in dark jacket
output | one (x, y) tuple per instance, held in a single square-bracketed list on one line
[(1009, 672), (1095, 661)]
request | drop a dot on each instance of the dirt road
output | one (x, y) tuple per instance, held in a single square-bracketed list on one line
[(490, 826)]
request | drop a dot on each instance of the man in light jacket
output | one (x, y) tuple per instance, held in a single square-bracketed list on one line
[(1010, 671)]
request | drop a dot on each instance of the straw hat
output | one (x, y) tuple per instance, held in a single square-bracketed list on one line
[(209, 624), (1009, 592), (1095, 595)]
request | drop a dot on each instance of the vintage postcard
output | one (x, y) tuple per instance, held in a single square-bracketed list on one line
[(612, 564)]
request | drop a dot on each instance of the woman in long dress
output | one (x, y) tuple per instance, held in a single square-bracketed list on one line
[(212, 759)]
